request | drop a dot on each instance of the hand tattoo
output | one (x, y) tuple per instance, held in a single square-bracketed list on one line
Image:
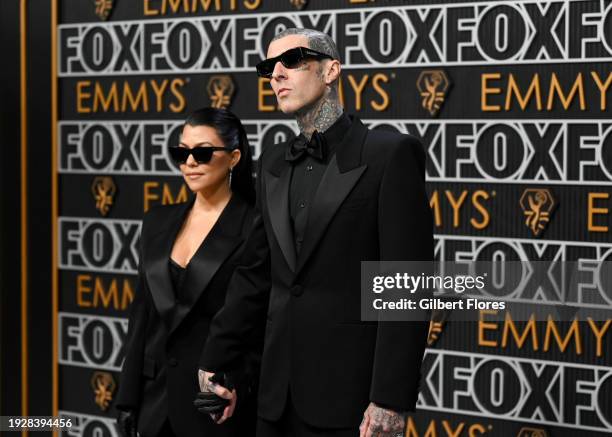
[(205, 384), (384, 422)]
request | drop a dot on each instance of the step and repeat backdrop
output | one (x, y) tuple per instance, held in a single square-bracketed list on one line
[(512, 101)]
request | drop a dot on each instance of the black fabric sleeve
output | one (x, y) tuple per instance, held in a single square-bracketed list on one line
[(130, 383), (246, 302), (405, 234)]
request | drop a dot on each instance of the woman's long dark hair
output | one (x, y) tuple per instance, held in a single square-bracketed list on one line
[(232, 133)]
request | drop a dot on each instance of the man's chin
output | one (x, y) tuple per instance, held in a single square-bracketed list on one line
[(289, 108)]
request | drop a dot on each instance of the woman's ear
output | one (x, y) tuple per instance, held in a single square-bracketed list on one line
[(236, 154)]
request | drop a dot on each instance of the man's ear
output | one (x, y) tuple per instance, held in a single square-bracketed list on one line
[(333, 69)]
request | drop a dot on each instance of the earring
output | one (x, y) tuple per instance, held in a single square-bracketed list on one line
[(230, 176)]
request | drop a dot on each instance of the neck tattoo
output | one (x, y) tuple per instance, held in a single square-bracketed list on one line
[(321, 115)]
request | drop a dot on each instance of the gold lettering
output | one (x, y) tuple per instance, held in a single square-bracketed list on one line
[(180, 103), (112, 97), (358, 88), (167, 195), (411, 428), (126, 97), (434, 203), (480, 194), (253, 4), (603, 88), (523, 101), (174, 5), (206, 5), (456, 205), (486, 90), (592, 211), (509, 326), (412, 431), (193, 6), (101, 294), (147, 9), (149, 194), (159, 93), (382, 106), (263, 92), (82, 289), (127, 296), (135, 102), (482, 326), (476, 428), (551, 330), (599, 333), (450, 432), (82, 95), (555, 88)]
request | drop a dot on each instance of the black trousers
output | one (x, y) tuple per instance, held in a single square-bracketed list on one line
[(291, 425)]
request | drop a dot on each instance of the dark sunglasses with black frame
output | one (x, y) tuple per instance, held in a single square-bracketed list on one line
[(201, 154), (292, 58)]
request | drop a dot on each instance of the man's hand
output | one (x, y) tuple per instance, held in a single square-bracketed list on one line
[(380, 422), (208, 384)]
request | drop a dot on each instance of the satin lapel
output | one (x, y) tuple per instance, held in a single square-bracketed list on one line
[(277, 196), (332, 190), (212, 253), (156, 254)]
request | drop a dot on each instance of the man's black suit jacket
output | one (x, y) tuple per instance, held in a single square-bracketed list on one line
[(371, 205), (165, 335)]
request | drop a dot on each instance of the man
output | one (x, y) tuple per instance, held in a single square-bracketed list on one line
[(336, 195)]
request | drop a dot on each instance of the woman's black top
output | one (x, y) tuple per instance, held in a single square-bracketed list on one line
[(177, 276)]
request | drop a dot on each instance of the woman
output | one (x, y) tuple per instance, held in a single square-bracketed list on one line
[(188, 252)]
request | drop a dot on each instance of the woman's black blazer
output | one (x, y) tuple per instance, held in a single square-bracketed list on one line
[(166, 335)]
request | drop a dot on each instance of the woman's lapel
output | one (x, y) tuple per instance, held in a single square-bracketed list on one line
[(219, 244), (156, 256)]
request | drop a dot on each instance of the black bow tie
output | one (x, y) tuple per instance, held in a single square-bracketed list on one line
[(301, 146)]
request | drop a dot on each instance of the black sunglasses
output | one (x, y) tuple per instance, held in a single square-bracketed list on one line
[(202, 155), (292, 58)]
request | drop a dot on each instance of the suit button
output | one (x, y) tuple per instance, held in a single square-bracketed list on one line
[(297, 290), (172, 362)]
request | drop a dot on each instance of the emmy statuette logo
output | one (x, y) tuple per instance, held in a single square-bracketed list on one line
[(537, 205), (532, 432), (220, 90), (299, 4), (103, 190), (103, 386), (433, 87), (103, 8)]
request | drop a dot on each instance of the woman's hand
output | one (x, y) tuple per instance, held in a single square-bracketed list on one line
[(217, 396)]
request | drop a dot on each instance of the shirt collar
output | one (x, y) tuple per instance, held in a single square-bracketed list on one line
[(336, 132)]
